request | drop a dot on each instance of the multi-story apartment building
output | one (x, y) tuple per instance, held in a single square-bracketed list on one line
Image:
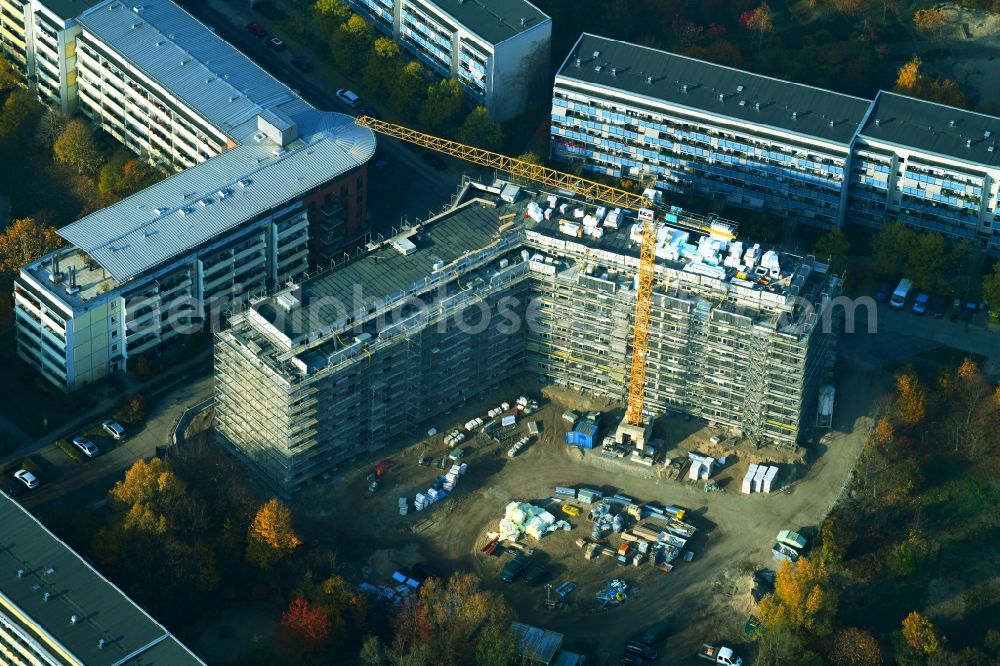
[(56, 609), (685, 125), (506, 282), (39, 39), (931, 166), (269, 185), (497, 49)]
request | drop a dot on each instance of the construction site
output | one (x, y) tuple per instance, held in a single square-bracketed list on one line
[(532, 385), (509, 281)]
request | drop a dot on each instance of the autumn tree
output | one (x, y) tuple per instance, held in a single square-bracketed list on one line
[(911, 81), (131, 409), (26, 240), (834, 539), (911, 399), (759, 20), (443, 106), (833, 246), (855, 647), (328, 15), (77, 147), (480, 130), (532, 157), (17, 109), (307, 621), (920, 634), (10, 78), (803, 598), (890, 247), (150, 494), (351, 43), (929, 19), (271, 536), (51, 124), (455, 619)]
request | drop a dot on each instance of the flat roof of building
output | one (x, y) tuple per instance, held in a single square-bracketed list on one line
[(186, 58), (33, 562), (69, 9), (198, 204), (747, 98), (935, 128), (493, 20)]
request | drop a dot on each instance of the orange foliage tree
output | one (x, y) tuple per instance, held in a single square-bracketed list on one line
[(25, 240), (913, 82), (760, 20), (271, 536), (152, 492), (928, 19), (306, 621), (920, 633), (802, 598), (911, 399), (854, 647)]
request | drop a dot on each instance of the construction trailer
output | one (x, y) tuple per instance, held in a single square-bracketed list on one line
[(359, 356)]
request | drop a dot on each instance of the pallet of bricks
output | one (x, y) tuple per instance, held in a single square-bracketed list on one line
[(443, 486)]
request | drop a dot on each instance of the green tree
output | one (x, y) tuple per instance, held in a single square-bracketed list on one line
[(991, 287), (531, 157), (77, 147), (890, 248), (443, 107), (926, 260), (480, 130), (351, 43), (833, 246), (327, 15), (784, 645), (371, 652), (408, 93), (920, 633), (17, 109), (383, 70)]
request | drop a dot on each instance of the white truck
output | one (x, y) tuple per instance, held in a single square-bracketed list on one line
[(718, 654), (903, 289)]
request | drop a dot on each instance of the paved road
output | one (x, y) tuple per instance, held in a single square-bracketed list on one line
[(68, 483)]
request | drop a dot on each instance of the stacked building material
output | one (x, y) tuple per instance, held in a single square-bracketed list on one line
[(760, 479), (747, 487), (404, 506), (523, 518)]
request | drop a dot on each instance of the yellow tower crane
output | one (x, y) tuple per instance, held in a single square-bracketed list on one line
[(590, 190)]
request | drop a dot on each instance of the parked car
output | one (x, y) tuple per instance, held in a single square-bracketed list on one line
[(348, 97), (434, 161), (536, 574), (882, 294), (920, 303), (969, 310), (792, 539), (85, 446), (302, 64), (511, 570), (276, 43), (256, 29), (29, 480), (641, 649), (782, 552), (937, 307), (114, 429)]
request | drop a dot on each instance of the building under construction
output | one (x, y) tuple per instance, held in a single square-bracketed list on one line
[(508, 281)]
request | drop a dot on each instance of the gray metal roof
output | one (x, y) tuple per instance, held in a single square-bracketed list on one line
[(195, 65), (934, 128), (536, 644), (630, 67), (493, 20), (149, 227), (76, 589), (385, 271)]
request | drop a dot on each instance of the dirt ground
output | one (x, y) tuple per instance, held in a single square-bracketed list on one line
[(972, 39), (707, 599)]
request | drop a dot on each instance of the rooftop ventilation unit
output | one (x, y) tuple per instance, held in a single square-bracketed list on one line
[(756, 106), (523, 22), (223, 193), (831, 123), (722, 97), (743, 102), (204, 202), (878, 121), (243, 182), (614, 71), (597, 54), (404, 246), (987, 134), (951, 123), (991, 148), (684, 87), (73, 619), (578, 62), (968, 143), (597, 68), (649, 80), (137, 9), (184, 211), (739, 89)]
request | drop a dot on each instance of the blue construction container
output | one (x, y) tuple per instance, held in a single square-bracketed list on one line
[(583, 436)]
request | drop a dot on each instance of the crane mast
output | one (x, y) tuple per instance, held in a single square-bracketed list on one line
[(591, 190)]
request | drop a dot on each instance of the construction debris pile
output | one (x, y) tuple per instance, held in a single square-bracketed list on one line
[(523, 518), (614, 593), (443, 485), (760, 479)]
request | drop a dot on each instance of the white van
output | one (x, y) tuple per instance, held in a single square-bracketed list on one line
[(348, 97), (899, 296)]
